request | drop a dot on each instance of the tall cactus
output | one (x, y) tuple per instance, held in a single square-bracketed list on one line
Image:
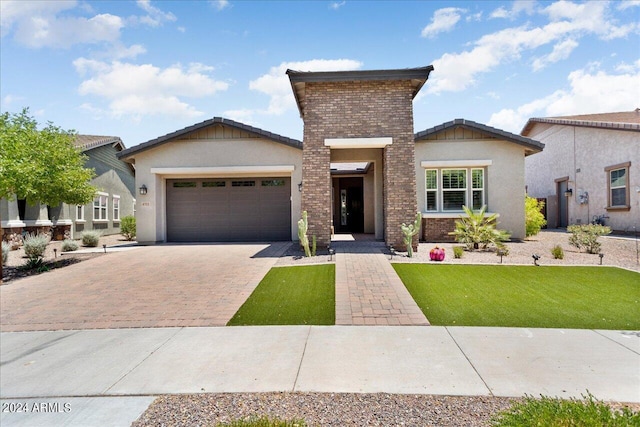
[(303, 225), (408, 231)]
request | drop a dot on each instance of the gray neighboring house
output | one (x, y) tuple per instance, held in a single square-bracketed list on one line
[(114, 181), (590, 167), (359, 169)]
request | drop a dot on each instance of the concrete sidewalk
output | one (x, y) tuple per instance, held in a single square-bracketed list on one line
[(91, 370)]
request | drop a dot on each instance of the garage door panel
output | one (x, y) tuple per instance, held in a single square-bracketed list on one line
[(238, 209)]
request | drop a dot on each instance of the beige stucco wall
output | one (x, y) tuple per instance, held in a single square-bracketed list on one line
[(582, 154), (504, 184), (151, 208)]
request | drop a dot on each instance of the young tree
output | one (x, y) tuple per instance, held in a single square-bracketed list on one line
[(534, 219), (41, 165)]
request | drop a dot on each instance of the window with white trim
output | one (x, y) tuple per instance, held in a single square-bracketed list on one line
[(116, 208), (448, 189), (80, 213), (100, 204), (618, 186)]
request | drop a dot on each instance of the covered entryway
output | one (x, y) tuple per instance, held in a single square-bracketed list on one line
[(229, 209)]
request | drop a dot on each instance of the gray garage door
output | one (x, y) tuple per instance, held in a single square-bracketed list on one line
[(229, 210)]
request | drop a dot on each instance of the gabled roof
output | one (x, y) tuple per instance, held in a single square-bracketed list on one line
[(88, 142), (216, 120), (531, 145), (625, 120), (298, 79)]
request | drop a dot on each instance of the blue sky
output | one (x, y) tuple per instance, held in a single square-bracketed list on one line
[(141, 69)]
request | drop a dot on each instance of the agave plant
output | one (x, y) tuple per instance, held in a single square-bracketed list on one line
[(477, 230)]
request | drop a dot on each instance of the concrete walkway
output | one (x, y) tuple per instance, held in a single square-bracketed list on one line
[(368, 290), (109, 376)]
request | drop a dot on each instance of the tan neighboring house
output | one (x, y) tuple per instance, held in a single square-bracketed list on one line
[(590, 168), (115, 199), (359, 169)]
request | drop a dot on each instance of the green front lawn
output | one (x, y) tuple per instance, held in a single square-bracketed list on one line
[(303, 295), (525, 296)]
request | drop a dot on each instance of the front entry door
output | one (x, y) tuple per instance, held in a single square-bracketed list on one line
[(563, 203), (351, 206)]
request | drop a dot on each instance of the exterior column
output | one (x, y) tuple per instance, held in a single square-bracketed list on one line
[(316, 188), (13, 221)]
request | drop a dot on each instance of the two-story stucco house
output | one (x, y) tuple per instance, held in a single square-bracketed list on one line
[(114, 180), (360, 168), (590, 168)]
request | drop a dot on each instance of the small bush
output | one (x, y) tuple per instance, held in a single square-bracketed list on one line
[(534, 220), (557, 252), (553, 412), (586, 236), (91, 238), (458, 252), (69, 245), (502, 250), (35, 245), (128, 227), (5, 252)]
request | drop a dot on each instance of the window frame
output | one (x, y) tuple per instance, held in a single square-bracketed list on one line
[(100, 196), (469, 188), (115, 207), (613, 168), (80, 210)]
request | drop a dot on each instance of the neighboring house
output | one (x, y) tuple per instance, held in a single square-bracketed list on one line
[(589, 168), (360, 168), (114, 180)]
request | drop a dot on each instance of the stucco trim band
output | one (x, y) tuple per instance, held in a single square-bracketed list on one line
[(225, 171), (344, 143), (455, 163)]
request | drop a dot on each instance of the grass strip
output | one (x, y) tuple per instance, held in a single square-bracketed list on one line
[(303, 295), (525, 296)]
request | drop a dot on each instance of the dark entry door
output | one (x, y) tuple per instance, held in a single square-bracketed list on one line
[(563, 204), (351, 205)]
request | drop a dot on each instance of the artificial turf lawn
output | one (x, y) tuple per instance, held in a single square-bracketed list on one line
[(302, 295), (525, 296)]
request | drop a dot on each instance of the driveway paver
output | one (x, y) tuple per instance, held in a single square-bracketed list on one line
[(153, 286)]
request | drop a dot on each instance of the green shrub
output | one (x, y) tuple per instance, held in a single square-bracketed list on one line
[(6, 248), (586, 236), (91, 238), (534, 219), (557, 252), (458, 251), (554, 412), (35, 245), (128, 227), (69, 245), (477, 231)]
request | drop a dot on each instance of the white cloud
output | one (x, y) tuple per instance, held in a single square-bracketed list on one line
[(39, 24), (140, 90), (519, 6), (335, 5), (155, 17), (568, 21), (220, 4), (591, 91), (624, 5), (560, 51), (244, 116), (474, 17), (276, 82), (443, 20)]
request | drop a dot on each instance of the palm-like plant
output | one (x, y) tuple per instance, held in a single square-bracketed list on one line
[(477, 230)]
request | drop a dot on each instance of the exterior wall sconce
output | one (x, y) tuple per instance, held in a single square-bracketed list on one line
[(143, 189), (568, 193), (300, 187)]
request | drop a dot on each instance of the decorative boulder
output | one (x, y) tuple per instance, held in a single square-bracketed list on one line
[(436, 254)]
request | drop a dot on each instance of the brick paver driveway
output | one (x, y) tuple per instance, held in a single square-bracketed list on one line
[(155, 286)]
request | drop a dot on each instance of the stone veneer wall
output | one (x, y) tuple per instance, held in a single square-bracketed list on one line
[(359, 109), (438, 229)]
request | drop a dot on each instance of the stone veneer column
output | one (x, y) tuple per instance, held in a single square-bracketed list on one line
[(359, 109)]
